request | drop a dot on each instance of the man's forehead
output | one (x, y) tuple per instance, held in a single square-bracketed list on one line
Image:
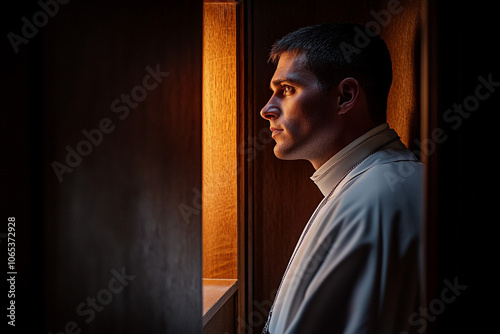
[(291, 60), (292, 67)]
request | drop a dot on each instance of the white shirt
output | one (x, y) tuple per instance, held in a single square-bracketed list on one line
[(356, 267)]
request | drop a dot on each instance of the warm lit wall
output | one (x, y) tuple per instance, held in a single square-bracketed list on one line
[(219, 192), (402, 38)]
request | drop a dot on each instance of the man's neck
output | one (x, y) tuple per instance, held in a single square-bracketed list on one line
[(343, 141)]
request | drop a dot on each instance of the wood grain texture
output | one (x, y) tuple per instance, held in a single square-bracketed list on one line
[(224, 320), (403, 40), (216, 292), (119, 208), (219, 193)]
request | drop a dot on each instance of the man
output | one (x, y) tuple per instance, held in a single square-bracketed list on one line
[(356, 267)]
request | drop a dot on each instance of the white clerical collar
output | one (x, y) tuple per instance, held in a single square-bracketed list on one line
[(331, 172)]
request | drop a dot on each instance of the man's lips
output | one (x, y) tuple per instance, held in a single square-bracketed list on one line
[(275, 130)]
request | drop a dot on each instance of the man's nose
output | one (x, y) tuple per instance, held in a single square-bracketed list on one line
[(270, 110)]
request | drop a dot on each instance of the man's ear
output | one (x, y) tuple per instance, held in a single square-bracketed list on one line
[(348, 95)]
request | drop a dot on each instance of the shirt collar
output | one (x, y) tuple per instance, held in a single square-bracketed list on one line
[(332, 171)]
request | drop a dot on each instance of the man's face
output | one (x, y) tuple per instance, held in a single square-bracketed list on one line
[(301, 114)]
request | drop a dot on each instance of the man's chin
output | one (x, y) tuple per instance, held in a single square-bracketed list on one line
[(284, 154)]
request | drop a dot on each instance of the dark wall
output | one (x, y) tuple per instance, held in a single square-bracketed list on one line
[(104, 123), (21, 196), (462, 186)]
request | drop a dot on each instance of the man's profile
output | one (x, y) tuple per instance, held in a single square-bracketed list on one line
[(356, 266)]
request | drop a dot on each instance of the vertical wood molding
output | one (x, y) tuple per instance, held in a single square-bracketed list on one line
[(428, 117), (244, 175), (245, 165)]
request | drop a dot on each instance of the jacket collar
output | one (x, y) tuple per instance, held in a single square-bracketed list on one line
[(336, 168)]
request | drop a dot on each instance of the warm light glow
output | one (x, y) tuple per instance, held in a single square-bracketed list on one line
[(401, 38), (219, 192)]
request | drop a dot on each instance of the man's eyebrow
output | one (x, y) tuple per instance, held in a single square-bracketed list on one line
[(279, 81)]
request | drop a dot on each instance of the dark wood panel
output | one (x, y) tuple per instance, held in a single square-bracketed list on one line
[(224, 320), (117, 104)]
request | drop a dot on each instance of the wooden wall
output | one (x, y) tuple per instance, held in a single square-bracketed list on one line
[(219, 194), (109, 229), (283, 195)]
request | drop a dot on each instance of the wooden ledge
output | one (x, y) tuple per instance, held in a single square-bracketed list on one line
[(216, 293)]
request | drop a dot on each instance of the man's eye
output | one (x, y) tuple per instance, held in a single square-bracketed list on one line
[(287, 90)]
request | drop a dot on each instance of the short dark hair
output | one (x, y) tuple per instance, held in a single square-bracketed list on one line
[(335, 51)]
